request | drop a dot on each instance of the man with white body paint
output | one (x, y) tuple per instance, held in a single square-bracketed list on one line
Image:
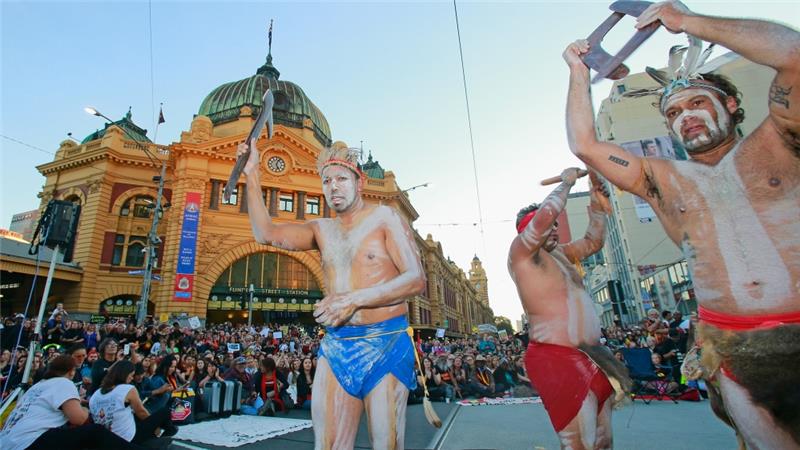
[(371, 266), (565, 360), (734, 210)]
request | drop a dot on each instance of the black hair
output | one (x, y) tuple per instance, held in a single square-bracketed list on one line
[(727, 86), (117, 374), (75, 348), (164, 365), (525, 211), (59, 366)]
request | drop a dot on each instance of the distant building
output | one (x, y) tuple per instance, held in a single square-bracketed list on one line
[(25, 223), (211, 238)]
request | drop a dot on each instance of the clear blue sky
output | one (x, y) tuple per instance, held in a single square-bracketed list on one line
[(385, 73)]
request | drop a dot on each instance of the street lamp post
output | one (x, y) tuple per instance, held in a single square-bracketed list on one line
[(417, 186), (152, 237)]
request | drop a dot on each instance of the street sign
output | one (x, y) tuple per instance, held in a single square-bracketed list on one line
[(136, 272), (155, 277)]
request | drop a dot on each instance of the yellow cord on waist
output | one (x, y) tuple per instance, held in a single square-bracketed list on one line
[(367, 336)]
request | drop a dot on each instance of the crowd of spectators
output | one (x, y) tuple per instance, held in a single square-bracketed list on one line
[(275, 363)]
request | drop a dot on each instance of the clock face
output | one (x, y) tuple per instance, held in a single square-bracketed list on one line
[(276, 164)]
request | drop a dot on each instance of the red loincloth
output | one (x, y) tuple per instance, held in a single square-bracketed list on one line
[(563, 377)]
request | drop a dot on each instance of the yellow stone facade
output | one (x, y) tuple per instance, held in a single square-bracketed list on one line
[(112, 179)]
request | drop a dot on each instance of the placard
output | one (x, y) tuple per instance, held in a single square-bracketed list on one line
[(233, 348), (440, 332), (277, 334), (194, 322)]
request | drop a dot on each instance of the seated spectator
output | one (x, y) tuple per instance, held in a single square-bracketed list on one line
[(505, 379), (162, 384), (459, 376), (109, 407), (211, 374), (270, 385), (305, 382), (664, 373), (38, 420), (480, 379), (445, 377)]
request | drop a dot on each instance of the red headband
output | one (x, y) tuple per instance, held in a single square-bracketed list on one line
[(343, 163), (526, 220)]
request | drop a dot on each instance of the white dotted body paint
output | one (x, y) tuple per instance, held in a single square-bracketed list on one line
[(757, 275)]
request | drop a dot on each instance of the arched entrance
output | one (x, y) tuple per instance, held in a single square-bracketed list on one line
[(284, 291)]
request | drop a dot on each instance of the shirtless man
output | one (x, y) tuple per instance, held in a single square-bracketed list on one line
[(732, 208), (565, 360), (371, 265)]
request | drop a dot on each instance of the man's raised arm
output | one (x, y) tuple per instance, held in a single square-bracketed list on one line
[(286, 236), (595, 236), (618, 166), (762, 42), (533, 237)]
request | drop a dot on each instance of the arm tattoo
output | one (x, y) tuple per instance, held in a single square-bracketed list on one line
[(780, 95), (619, 161)]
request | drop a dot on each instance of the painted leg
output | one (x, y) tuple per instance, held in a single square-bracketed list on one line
[(718, 408), (334, 412), (386, 414), (756, 424), (581, 432), (603, 439)]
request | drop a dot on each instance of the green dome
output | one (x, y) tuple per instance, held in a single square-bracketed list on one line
[(292, 105), (130, 129)]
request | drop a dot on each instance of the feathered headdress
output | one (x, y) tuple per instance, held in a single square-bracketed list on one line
[(339, 154), (683, 71)]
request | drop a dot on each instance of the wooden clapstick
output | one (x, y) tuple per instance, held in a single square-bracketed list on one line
[(553, 180)]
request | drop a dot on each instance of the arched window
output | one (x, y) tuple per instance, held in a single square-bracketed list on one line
[(135, 255), (130, 241)]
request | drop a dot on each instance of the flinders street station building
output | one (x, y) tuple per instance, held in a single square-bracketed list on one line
[(111, 177)]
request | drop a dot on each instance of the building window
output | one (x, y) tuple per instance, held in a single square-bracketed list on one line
[(134, 257), (142, 206), (126, 208), (119, 246), (312, 205), (234, 200), (286, 202)]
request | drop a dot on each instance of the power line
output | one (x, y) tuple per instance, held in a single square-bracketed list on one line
[(39, 149), (469, 123)]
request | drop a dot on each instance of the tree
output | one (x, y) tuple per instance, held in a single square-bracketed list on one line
[(503, 323)]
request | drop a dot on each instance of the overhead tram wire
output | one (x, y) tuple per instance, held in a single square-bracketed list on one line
[(39, 149), (469, 124)]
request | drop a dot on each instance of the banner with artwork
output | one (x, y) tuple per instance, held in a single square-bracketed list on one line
[(184, 273), (658, 147)]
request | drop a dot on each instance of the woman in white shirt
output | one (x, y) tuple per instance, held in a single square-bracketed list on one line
[(38, 419), (117, 406)]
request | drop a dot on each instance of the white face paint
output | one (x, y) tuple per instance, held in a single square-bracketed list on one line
[(340, 187), (691, 122)]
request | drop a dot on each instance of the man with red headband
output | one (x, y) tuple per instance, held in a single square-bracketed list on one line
[(371, 266), (574, 374), (732, 208)]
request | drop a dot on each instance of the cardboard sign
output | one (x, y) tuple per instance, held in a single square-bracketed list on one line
[(440, 332), (277, 334), (163, 317), (194, 322), (264, 332), (233, 348)]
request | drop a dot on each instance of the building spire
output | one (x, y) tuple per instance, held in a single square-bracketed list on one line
[(268, 70), (269, 37)]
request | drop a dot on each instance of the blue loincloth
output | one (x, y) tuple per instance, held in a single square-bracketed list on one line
[(360, 364)]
